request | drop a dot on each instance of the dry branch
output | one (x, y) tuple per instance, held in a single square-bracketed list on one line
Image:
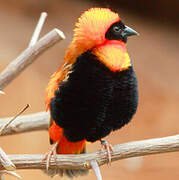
[(82, 161), (14, 69), (26, 123), (28, 56)]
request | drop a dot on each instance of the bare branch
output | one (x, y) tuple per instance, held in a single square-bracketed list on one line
[(82, 161), (26, 123), (28, 56), (38, 29)]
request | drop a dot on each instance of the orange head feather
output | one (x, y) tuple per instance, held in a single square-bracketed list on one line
[(92, 26), (90, 31), (90, 34)]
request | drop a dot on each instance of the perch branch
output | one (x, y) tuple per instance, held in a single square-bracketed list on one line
[(28, 56), (82, 161)]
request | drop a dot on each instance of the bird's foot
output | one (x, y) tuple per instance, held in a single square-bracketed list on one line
[(108, 147), (49, 154)]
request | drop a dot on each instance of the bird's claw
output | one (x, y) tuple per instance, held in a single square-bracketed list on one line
[(108, 147), (49, 154)]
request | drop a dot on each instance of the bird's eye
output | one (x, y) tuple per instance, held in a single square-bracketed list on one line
[(116, 29), (115, 32)]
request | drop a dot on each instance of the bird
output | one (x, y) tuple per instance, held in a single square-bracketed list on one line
[(94, 91)]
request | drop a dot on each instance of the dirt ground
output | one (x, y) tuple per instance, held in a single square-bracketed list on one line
[(155, 57)]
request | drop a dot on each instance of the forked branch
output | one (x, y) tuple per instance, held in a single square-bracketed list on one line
[(16, 67)]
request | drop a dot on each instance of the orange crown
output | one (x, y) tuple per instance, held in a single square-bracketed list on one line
[(92, 25)]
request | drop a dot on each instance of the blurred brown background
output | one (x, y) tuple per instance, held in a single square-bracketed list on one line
[(155, 56)]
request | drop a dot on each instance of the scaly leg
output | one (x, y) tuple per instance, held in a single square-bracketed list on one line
[(49, 154), (108, 147)]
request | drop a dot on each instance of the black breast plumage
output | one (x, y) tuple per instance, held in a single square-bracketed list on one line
[(94, 101)]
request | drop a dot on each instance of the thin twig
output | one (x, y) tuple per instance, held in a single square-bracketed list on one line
[(82, 161), (38, 29), (28, 56), (11, 120)]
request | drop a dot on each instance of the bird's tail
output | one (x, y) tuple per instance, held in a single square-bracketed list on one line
[(66, 147)]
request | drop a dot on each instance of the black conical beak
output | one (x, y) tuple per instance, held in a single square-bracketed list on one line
[(128, 32)]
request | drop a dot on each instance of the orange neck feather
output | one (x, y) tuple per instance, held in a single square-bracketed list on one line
[(113, 54)]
